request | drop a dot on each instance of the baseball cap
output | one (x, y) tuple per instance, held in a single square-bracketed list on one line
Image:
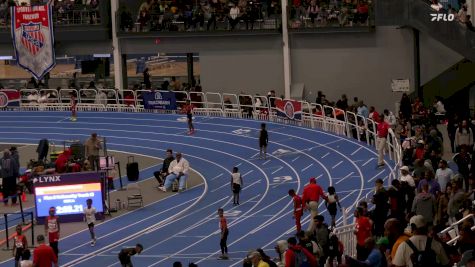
[(418, 221), (383, 241), (404, 168), (313, 180)]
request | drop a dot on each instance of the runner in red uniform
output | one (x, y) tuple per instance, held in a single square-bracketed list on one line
[(73, 101), (223, 225), (188, 110), (20, 244), (298, 211), (52, 229)]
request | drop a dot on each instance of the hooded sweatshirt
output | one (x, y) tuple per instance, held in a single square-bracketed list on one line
[(290, 256), (424, 204)]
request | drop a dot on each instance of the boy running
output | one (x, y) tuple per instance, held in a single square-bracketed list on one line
[(90, 218), (20, 245), (263, 141), (188, 109), (223, 225), (52, 228), (72, 102)]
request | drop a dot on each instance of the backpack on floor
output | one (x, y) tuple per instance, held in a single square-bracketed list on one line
[(424, 258)]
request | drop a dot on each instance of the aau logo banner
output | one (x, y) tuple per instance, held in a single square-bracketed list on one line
[(32, 34)]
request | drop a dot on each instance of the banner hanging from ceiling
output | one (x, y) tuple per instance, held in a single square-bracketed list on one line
[(33, 40)]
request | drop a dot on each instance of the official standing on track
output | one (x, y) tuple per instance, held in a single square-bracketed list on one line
[(310, 197), (382, 134), (44, 256), (93, 146), (236, 185), (263, 141)]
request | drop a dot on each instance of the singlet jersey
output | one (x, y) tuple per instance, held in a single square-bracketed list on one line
[(90, 215), (52, 224), (236, 178), (19, 241)]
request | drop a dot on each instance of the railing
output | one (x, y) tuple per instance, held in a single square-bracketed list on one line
[(453, 230), (243, 106)]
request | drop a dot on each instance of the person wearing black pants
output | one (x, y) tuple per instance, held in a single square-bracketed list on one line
[(8, 166), (224, 235)]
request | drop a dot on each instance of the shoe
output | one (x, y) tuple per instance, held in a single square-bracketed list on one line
[(74, 119), (181, 190), (93, 243), (379, 166), (163, 188)]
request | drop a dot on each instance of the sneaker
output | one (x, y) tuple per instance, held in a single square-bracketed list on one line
[(93, 243), (181, 190), (380, 165), (163, 188)]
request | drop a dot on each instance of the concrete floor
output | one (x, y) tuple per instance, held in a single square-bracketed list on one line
[(148, 187)]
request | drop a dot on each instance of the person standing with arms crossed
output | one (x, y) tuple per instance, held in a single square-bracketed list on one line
[(298, 211), (223, 225), (90, 218), (188, 110), (382, 134), (236, 185), (52, 228), (263, 141), (72, 102)]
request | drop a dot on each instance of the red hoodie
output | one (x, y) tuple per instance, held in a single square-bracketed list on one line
[(290, 256), (62, 161)]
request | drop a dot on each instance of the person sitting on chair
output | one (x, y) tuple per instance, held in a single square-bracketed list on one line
[(178, 169), (161, 174)]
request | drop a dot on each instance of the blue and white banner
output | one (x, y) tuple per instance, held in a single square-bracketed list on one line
[(32, 34), (159, 100)]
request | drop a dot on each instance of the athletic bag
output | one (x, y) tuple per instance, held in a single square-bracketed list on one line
[(132, 169), (423, 258)]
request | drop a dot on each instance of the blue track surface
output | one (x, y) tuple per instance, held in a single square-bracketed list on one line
[(265, 213)]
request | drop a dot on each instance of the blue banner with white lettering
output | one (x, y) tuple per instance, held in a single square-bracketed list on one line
[(159, 100)]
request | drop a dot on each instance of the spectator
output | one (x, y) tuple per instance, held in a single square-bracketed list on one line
[(234, 16), (442, 215), (310, 197), (256, 259), (394, 231), (470, 27), (425, 205), (146, 79), (405, 106), (92, 148), (373, 114), (362, 231), (463, 161), (462, 15), (390, 119), (101, 98), (380, 201), (408, 187), (322, 235), (294, 254), (160, 175), (362, 110), (464, 136), (443, 175), (312, 11), (374, 259), (33, 97), (8, 169), (418, 242), (178, 170), (281, 248), (342, 103), (43, 254), (266, 258), (209, 15), (397, 200), (456, 200), (175, 84), (361, 15), (434, 187)]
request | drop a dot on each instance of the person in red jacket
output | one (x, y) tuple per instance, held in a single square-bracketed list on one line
[(310, 197), (298, 211), (292, 254), (363, 227), (44, 255), (62, 161)]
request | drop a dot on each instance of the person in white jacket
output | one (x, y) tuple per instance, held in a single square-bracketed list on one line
[(178, 169), (390, 119), (464, 136)]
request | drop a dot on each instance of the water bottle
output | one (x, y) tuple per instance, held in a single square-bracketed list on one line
[(118, 204)]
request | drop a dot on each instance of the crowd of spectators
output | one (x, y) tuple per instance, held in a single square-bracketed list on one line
[(65, 12)]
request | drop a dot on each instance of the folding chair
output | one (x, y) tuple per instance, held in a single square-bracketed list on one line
[(134, 195)]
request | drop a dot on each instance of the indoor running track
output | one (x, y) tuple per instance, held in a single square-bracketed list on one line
[(184, 226)]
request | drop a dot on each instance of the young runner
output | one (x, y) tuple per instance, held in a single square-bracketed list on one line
[(73, 101), (90, 218), (188, 110), (298, 211), (236, 185), (126, 253), (263, 141), (52, 228), (331, 202), (19, 245), (223, 225)]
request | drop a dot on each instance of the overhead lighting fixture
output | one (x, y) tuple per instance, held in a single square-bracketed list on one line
[(102, 55)]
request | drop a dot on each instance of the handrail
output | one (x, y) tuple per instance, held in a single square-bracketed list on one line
[(311, 117)]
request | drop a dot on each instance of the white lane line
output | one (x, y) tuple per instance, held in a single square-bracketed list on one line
[(280, 168), (328, 153), (296, 159), (249, 172), (266, 162), (320, 176), (351, 173), (216, 189), (356, 151), (306, 168), (212, 179), (239, 164), (376, 176), (338, 164), (368, 161)]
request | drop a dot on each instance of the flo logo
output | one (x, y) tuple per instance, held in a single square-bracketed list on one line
[(442, 17)]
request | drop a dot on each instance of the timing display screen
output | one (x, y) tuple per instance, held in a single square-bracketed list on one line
[(67, 199)]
